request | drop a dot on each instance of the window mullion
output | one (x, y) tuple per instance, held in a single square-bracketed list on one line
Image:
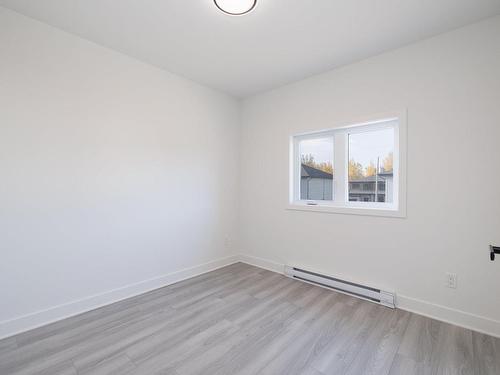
[(340, 164)]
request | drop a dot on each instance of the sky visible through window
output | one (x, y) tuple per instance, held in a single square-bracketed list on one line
[(320, 149), (364, 148)]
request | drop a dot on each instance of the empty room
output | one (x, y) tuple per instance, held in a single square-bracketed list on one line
[(275, 187)]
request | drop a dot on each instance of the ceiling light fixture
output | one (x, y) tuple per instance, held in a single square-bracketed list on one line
[(236, 7)]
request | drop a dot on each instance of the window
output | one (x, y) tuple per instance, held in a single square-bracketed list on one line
[(356, 168), (316, 169), (371, 154)]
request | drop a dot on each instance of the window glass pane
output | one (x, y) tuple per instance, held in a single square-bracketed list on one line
[(371, 166), (316, 169)]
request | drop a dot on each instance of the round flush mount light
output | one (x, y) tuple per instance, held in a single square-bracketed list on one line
[(236, 7)]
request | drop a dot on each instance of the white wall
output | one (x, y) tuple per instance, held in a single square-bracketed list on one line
[(112, 172), (450, 87)]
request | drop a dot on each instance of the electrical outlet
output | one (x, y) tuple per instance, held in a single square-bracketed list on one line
[(451, 280), (227, 241)]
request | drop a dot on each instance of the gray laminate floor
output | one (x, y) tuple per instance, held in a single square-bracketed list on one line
[(245, 320)]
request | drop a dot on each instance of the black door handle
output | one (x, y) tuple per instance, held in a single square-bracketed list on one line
[(494, 250)]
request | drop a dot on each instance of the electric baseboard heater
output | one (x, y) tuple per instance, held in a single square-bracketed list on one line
[(357, 290)]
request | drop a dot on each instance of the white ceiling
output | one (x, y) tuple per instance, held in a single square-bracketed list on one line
[(281, 41)]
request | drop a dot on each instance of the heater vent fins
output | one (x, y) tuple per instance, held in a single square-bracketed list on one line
[(354, 289)]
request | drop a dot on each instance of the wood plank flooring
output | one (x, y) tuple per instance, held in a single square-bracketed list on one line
[(244, 320)]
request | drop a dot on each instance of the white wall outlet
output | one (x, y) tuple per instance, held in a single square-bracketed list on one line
[(227, 241), (451, 280)]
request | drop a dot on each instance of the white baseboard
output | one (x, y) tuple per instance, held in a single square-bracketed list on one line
[(445, 314), (262, 263), (40, 318)]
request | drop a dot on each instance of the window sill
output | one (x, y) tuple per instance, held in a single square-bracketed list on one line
[(365, 211)]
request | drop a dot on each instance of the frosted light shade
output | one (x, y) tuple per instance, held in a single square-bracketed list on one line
[(235, 7)]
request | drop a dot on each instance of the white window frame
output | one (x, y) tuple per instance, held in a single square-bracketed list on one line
[(340, 133)]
